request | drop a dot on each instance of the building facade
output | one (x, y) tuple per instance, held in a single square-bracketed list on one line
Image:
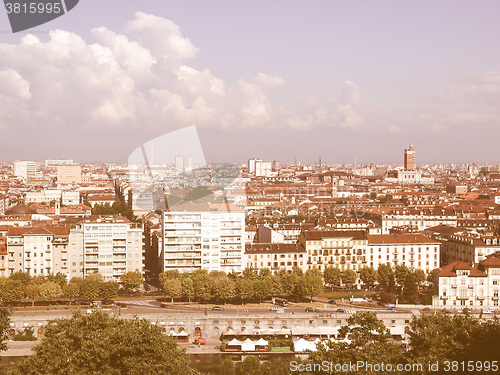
[(275, 256), (203, 236), (473, 285)]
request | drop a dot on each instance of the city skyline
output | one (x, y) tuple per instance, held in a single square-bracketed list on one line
[(282, 83)]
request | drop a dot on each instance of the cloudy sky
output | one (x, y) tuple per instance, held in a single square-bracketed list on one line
[(269, 79)]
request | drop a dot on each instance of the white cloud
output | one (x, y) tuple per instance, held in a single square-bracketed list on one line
[(13, 85)]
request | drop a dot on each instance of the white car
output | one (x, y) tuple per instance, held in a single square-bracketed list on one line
[(274, 308), (487, 311)]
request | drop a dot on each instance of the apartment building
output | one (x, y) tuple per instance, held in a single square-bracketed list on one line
[(342, 249), (109, 245), (420, 218), (25, 169), (38, 250), (459, 244), (4, 257), (275, 256), (467, 284), (69, 173), (203, 236), (65, 197), (415, 251), (281, 232)]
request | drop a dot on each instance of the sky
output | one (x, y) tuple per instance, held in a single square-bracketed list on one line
[(340, 80)]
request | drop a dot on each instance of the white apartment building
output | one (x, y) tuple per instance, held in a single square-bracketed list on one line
[(415, 251), (275, 256), (473, 285), (463, 244), (69, 174), (25, 169), (38, 250), (203, 236), (65, 197), (341, 249), (109, 245), (418, 218)]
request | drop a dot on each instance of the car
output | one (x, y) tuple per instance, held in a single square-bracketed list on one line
[(309, 309), (274, 308), (446, 311), (217, 308), (340, 310), (333, 302), (426, 308), (487, 311), (392, 308)]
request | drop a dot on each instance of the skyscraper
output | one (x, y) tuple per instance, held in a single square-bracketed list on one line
[(410, 158)]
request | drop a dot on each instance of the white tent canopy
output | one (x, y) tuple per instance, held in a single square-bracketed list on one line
[(247, 345)]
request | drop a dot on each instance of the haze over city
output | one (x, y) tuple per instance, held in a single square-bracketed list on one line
[(335, 80)]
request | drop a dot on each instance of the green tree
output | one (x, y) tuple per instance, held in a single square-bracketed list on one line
[(131, 280), (385, 277), (11, 290), (264, 272), (31, 291), (202, 283), (288, 282), (250, 366), (249, 274), (332, 276), (170, 274), (368, 276), (21, 276), (71, 290), (401, 272), (261, 288), (100, 344), (187, 288), (172, 288), (410, 287), (4, 327), (227, 367), (90, 288), (244, 289), (108, 289), (223, 288), (309, 286), (349, 277), (58, 278), (420, 276), (49, 291), (314, 272)]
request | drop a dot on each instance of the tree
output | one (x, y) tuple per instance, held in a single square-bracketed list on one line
[(21, 276), (250, 366), (314, 272), (4, 327), (261, 289), (244, 289), (401, 272), (309, 286), (420, 276), (368, 276), (108, 289), (385, 277), (410, 287), (90, 288), (100, 344), (31, 291), (187, 288), (71, 290), (223, 288), (227, 367), (59, 278), (249, 273), (264, 272), (172, 288), (349, 277), (131, 280), (49, 291), (332, 276), (288, 282), (170, 274), (202, 283), (11, 290)]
